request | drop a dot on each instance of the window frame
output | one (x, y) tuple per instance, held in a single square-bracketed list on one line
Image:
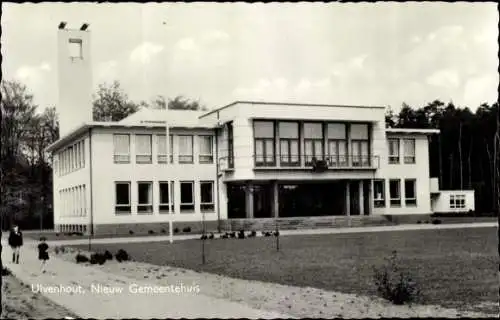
[(379, 202), (207, 206), (411, 202), (290, 159), (314, 142), (206, 158), (394, 158), (162, 157), (184, 206), (145, 208), (127, 206), (144, 158), (186, 158), (395, 202), (457, 201), (406, 158), (171, 197), (121, 158), (268, 156)]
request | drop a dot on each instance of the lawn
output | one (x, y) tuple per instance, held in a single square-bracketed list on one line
[(453, 268)]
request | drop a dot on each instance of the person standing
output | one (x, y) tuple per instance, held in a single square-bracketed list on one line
[(15, 242), (43, 254)]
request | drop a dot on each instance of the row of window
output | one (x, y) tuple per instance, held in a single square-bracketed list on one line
[(316, 136), (73, 201), (457, 201), (144, 154), (71, 158), (166, 191), (410, 194), (408, 151)]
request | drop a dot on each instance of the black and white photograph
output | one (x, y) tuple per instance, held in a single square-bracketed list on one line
[(249, 160)]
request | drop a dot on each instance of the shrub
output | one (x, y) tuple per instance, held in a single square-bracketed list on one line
[(151, 232), (163, 231), (204, 237), (241, 234), (426, 221), (436, 221), (57, 234), (56, 250), (186, 229), (232, 234), (122, 255), (395, 285), (108, 255), (176, 230), (130, 232), (211, 235), (97, 258), (80, 258), (5, 272), (252, 234)]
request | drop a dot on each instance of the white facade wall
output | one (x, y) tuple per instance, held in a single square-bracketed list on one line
[(106, 173), (441, 203)]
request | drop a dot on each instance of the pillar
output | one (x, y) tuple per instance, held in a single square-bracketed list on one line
[(347, 199), (276, 204), (369, 210), (249, 200), (361, 199)]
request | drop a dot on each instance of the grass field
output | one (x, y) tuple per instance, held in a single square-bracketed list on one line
[(453, 268)]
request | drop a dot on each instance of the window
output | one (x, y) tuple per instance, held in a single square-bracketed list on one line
[(162, 149), (166, 193), (185, 149), (313, 141), (457, 201), (143, 148), (360, 153), (264, 143), (77, 155), (71, 159), (230, 146), (206, 150), (395, 193), (409, 151), (187, 196), (289, 143), (121, 144), (379, 193), (144, 197), (122, 197), (75, 48), (207, 196), (393, 151), (337, 142), (411, 192)]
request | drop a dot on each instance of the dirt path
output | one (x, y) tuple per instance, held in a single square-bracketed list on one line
[(295, 301), (19, 302)]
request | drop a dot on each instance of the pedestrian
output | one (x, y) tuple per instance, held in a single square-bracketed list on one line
[(43, 254), (15, 242)]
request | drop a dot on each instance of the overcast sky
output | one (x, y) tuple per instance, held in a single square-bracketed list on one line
[(375, 54)]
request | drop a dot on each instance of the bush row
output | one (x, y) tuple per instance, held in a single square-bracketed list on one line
[(240, 235), (101, 258)]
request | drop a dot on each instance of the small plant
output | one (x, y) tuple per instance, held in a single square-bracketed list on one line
[(211, 235), (252, 234), (203, 237), (80, 258), (130, 232), (267, 234), (241, 234), (97, 258), (163, 231), (186, 229), (108, 255), (419, 222), (151, 232), (57, 234), (426, 222), (122, 255), (232, 234), (224, 236), (176, 230), (436, 221), (276, 233), (395, 285)]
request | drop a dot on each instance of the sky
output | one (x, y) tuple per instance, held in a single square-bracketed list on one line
[(355, 54)]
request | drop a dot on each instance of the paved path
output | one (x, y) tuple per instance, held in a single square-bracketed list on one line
[(77, 295), (287, 233)]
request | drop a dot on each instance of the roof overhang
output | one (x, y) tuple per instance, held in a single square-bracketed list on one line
[(412, 131)]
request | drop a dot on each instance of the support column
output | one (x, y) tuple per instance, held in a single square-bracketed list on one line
[(361, 199), (276, 204), (249, 200), (347, 199), (370, 198)]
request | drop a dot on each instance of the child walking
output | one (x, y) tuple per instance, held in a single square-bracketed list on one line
[(43, 254)]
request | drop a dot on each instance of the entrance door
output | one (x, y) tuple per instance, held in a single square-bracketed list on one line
[(354, 195)]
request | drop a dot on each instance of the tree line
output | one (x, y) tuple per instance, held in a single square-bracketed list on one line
[(25, 169), (466, 153)]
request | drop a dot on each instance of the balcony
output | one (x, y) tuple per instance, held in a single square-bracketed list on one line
[(303, 162)]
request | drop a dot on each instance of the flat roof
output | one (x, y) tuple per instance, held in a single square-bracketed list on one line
[(412, 130), (286, 104)]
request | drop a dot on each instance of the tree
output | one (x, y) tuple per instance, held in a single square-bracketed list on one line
[(178, 103), (111, 103)]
